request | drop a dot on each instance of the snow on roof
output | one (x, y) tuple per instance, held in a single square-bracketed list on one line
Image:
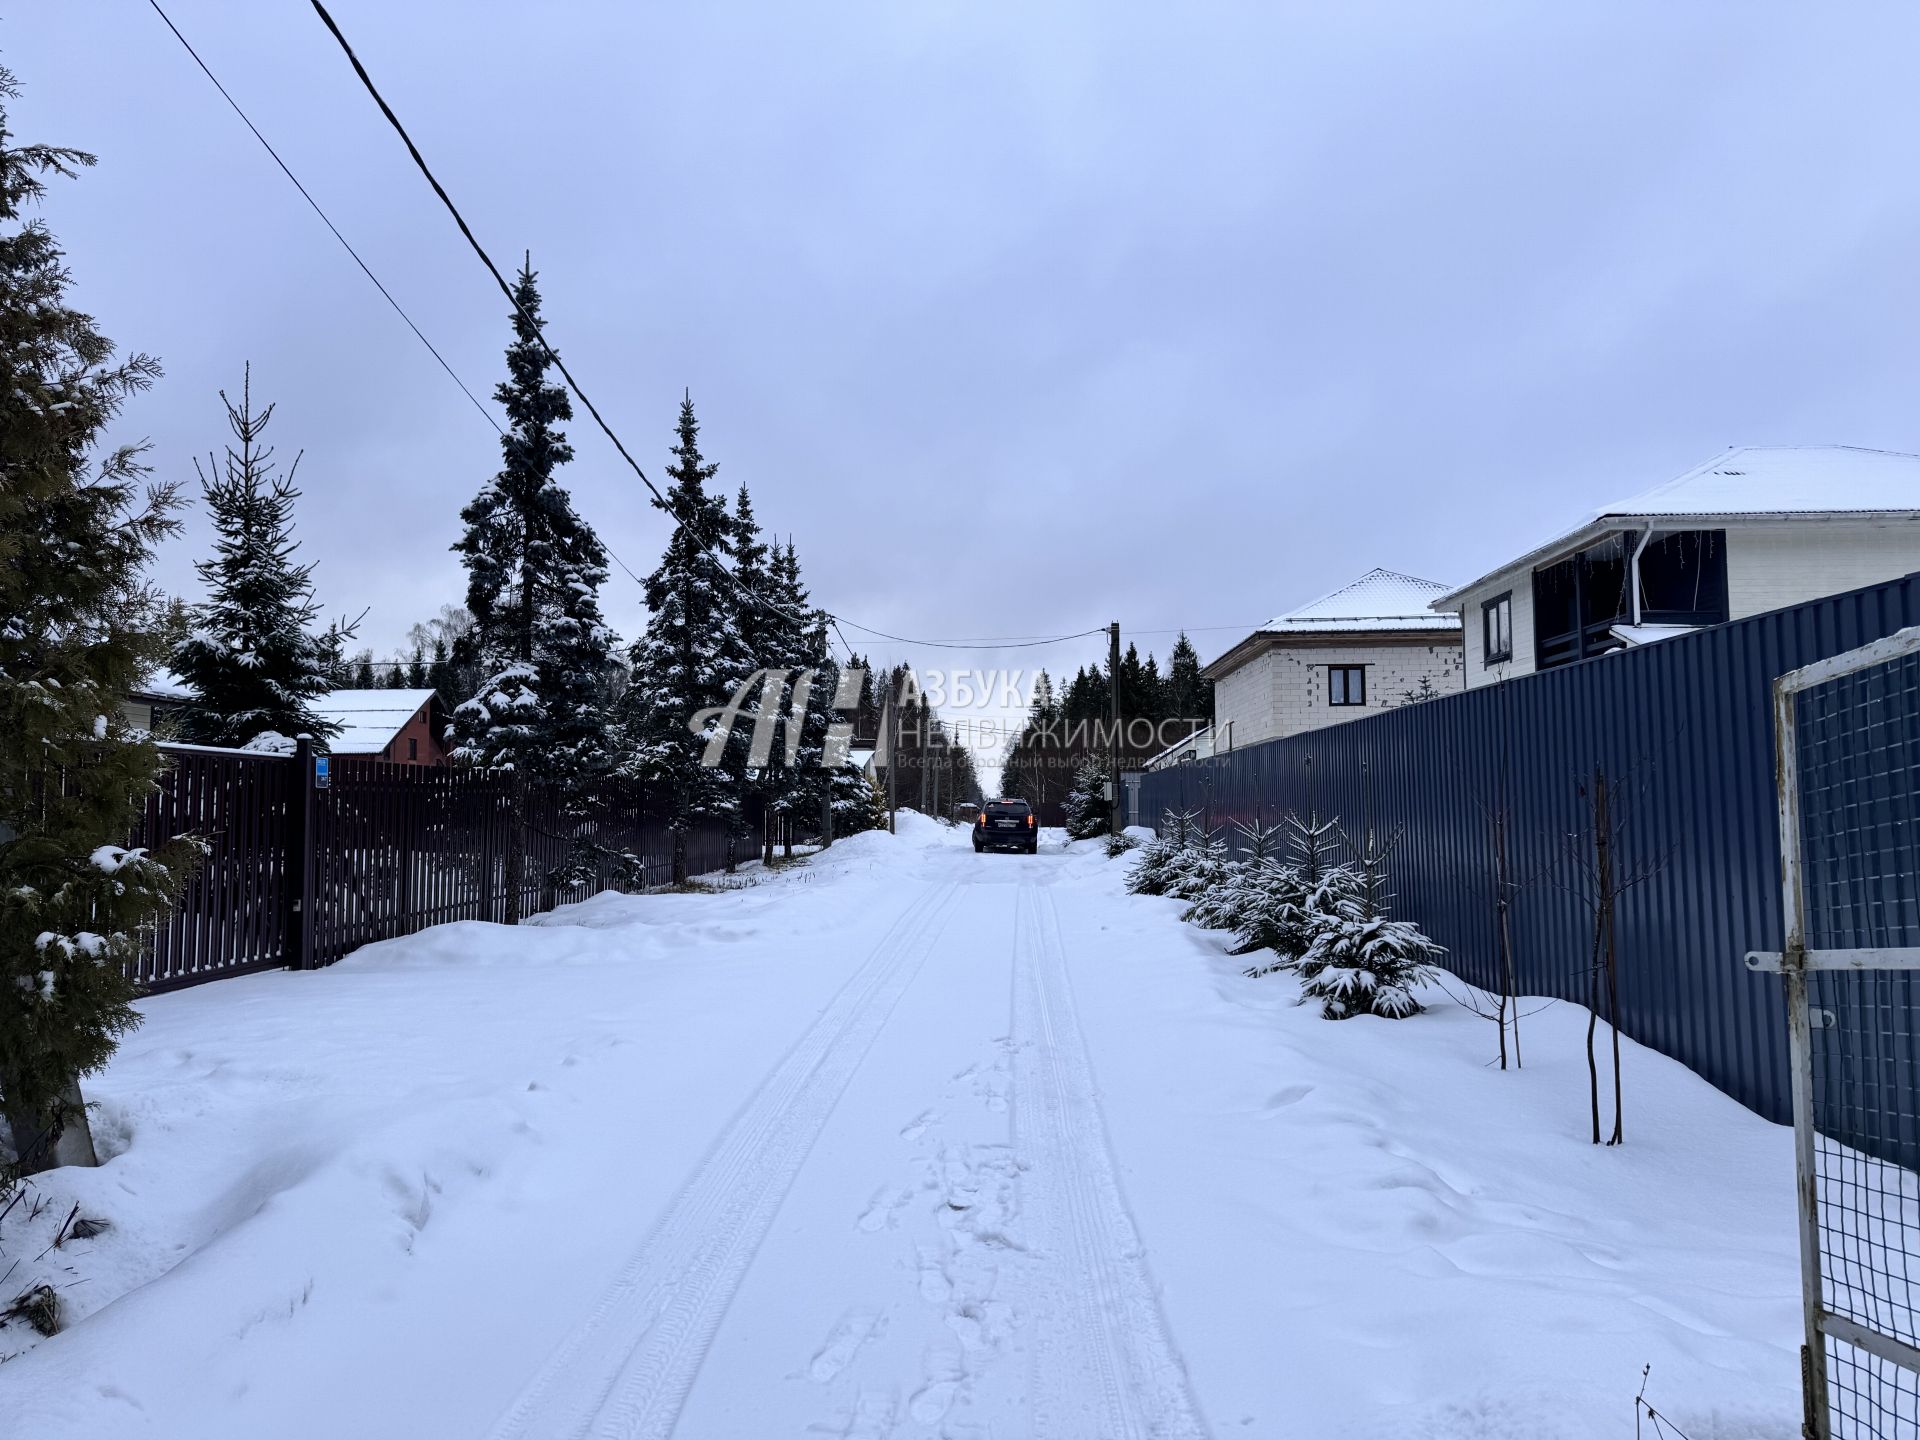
[(1200, 743), (1750, 481), (163, 685), (1784, 480), (368, 719), (1378, 600)]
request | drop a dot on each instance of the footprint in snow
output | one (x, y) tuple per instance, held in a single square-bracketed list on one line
[(880, 1211), (842, 1344)]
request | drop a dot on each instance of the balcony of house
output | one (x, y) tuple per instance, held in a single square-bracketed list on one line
[(1631, 583)]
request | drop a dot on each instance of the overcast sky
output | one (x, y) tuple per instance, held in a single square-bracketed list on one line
[(1020, 318)]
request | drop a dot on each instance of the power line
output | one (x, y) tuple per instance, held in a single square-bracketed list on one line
[(325, 219), (366, 80), (347, 245), (420, 163), (1015, 644)]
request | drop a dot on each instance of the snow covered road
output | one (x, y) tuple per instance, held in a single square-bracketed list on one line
[(907, 1143)]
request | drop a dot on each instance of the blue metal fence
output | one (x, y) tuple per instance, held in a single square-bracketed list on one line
[(1683, 732)]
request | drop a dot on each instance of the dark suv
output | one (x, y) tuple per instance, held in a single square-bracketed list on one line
[(1007, 825)]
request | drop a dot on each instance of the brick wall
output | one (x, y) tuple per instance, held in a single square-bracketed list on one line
[(1283, 690)]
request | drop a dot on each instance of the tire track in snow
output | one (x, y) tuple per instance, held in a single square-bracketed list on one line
[(1105, 1367), (625, 1371)]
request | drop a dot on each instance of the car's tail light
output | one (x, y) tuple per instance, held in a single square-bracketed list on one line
[(983, 819), (1030, 822)]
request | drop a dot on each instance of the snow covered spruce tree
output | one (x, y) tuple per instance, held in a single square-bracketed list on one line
[(252, 657), (691, 658), (1245, 881), (804, 785), (79, 627), (1088, 811), (1160, 858), (1283, 905), (1355, 960), (534, 571), (763, 635)]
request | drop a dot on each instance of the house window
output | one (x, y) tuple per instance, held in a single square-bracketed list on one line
[(413, 748), (1346, 684), (1496, 629)]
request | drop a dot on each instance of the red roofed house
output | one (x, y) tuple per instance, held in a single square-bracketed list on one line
[(401, 725)]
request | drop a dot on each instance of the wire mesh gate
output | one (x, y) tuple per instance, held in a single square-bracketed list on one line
[(1847, 732)]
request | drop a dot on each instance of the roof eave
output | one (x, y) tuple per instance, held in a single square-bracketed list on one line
[(1574, 541)]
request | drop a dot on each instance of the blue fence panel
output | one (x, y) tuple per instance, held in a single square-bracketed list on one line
[(1683, 732)]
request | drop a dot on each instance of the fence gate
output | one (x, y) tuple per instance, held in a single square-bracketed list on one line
[(1847, 732)]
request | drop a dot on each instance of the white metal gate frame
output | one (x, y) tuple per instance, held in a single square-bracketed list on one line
[(1794, 963)]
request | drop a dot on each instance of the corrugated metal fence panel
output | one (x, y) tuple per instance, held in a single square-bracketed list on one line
[(1683, 731)]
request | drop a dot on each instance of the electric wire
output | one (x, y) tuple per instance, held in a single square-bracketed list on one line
[(1018, 642), (325, 219)]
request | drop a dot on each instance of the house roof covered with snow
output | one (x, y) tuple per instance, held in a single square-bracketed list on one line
[(368, 719), (1751, 483), (1381, 602), (162, 685), (1378, 600)]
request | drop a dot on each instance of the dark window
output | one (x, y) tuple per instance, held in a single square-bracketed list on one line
[(1683, 578), (1346, 684), (413, 748), (1496, 629)]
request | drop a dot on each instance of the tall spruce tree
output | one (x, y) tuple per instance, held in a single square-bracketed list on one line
[(692, 656), (763, 639), (1189, 696), (253, 657), (803, 786), (79, 628), (534, 572)]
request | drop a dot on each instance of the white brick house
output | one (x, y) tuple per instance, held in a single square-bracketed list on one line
[(1752, 530), (1364, 648)]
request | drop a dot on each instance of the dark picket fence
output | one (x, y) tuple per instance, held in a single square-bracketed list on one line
[(297, 875), (1683, 730)]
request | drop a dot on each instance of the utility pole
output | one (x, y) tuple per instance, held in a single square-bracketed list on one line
[(1113, 745), (893, 754), (923, 749)]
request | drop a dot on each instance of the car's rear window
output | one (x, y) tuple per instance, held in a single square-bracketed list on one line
[(1008, 807)]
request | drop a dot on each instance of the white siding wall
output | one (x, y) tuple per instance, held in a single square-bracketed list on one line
[(1283, 691), (1478, 671), (1769, 566)]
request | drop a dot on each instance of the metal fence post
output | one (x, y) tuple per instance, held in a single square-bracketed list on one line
[(300, 858)]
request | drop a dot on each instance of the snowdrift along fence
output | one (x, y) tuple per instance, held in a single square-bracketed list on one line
[(1683, 730), (297, 875)]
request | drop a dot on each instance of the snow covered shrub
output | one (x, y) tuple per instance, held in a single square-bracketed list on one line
[(1153, 869), (1222, 907), (1119, 843), (1089, 812), (1283, 903), (1198, 869), (1361, 964), (1285, 912), (1358, 961)]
